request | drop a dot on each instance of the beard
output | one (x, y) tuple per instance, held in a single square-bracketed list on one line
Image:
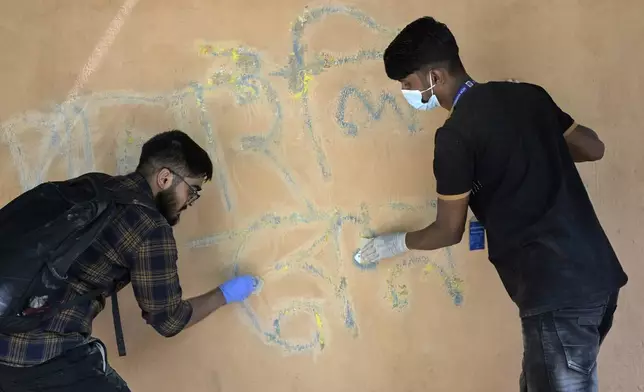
[(167, 204)]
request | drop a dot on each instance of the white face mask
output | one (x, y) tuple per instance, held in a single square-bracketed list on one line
[(415, 98)]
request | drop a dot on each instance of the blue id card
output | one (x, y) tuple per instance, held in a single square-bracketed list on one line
[(477, 235)]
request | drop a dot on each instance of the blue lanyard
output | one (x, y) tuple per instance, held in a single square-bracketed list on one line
[(466, 86)]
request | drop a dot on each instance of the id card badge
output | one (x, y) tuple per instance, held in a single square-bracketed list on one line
[(477, 235)]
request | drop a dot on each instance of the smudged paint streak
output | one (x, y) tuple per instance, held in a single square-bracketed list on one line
[(303, 261), (300, 74), (398, 293), (250, 86), (214, 151), (374, 111), (274, 335)]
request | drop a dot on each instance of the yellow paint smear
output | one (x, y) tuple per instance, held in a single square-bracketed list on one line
[(306, 80), (235, 55), (318, 322)]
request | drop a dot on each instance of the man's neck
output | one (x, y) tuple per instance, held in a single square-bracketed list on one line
[(456, 86), (147, 181)]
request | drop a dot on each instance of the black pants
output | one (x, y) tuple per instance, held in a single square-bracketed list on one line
[(561, 347), (84, 368)]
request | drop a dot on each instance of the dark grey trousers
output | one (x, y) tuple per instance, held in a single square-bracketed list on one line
[(561, 347)]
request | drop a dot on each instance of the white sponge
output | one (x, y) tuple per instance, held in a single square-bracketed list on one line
[(259, 284), (356, 257)]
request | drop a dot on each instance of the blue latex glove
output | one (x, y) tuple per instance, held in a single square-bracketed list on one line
[(239, 288)]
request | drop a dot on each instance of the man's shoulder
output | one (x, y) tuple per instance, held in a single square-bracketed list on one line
[(142, 219), (510, 85), (137, 219), (134, 228), (495, 90), (132, 181), (487, 101), (471, 105)]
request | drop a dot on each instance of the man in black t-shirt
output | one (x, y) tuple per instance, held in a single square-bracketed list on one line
[(508, 152)]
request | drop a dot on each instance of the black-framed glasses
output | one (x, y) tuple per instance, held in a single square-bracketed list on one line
[(193, 191)]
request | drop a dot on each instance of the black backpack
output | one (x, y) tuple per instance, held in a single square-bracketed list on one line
[(42, 232)]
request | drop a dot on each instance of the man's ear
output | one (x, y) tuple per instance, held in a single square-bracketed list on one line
[(440, 76), (164, 179)]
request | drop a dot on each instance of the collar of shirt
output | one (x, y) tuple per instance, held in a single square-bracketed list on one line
[(139, 183)]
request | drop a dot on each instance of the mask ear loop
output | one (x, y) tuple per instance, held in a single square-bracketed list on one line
[(431, 84)]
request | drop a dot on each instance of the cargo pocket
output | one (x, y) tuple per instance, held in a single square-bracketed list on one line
[(578, 332)]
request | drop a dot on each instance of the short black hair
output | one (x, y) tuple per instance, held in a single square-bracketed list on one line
[(423, 43), (175, 150)]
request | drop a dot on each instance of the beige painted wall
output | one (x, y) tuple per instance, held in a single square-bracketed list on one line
[(290, 109)]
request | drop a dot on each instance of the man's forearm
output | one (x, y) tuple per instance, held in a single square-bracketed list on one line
[(205, 304), (432, 237), (584, 144), (579, 156)]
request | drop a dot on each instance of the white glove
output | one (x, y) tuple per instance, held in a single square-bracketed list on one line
[(383, 247)]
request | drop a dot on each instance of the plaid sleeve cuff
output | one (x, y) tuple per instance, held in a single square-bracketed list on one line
[(170, 324)]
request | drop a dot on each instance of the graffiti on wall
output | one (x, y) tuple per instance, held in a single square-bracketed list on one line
[(69, 130)]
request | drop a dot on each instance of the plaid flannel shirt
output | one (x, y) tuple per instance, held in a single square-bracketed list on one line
[(138, 246)]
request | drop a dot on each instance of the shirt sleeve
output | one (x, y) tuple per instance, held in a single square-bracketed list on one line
[(155, 281), (453, 165), (565, 122)]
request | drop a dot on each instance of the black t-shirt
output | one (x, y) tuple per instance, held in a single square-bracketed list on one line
[(504, 146)]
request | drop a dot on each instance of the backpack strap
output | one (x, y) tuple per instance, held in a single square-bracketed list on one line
[(118, 327), (80, 299), (124, 197)]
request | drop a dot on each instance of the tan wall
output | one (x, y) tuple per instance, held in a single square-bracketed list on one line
[(309, 153)]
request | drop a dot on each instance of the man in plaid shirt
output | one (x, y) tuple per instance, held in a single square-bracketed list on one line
[(137, 247)]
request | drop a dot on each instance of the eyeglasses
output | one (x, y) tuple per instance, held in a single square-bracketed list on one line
[(193, 191)]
